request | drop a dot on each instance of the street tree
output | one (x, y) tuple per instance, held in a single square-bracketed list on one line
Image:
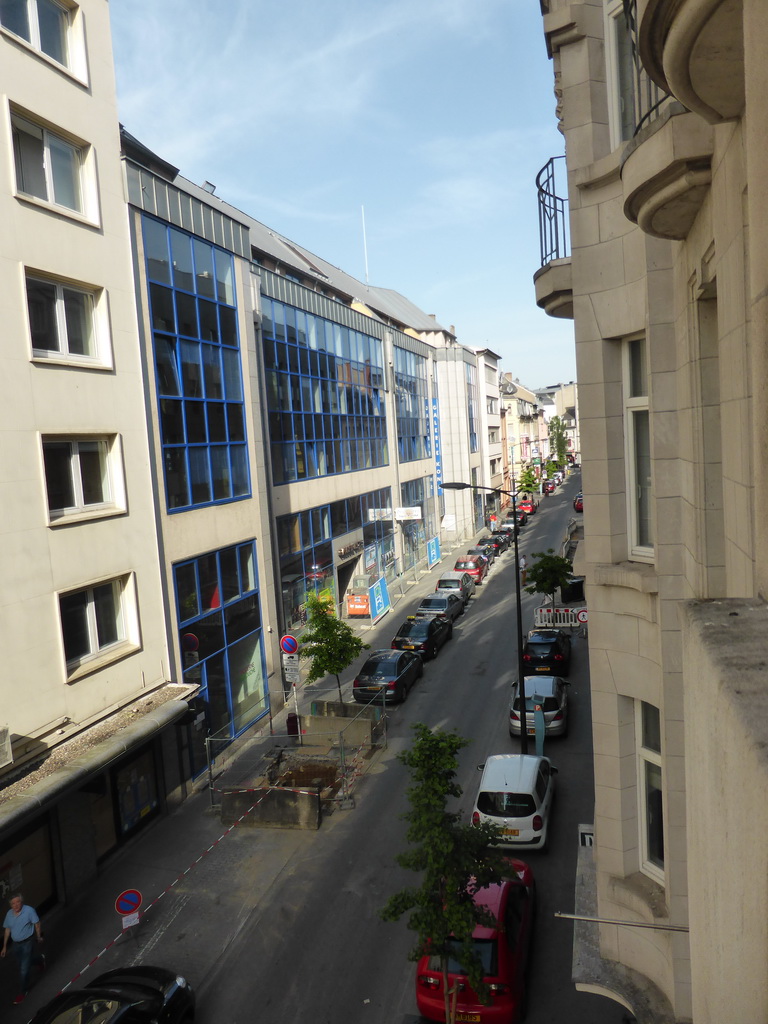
[(527, 482), (548, 573), (454, 859), (557, 440), (329, 642)]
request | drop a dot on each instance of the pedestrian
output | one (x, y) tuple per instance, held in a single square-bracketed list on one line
[(22, 925), (523, 570)]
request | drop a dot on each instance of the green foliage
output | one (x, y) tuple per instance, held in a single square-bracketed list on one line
[(527, 482), (557, 439), (455, 860), (549, 572), (328, 641), (550, 468)]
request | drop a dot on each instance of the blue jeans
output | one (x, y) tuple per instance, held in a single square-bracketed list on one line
[(26, 957)]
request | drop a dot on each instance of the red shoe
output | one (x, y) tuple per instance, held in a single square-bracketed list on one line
[(19, 998)]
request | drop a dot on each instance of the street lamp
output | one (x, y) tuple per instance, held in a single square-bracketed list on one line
[(519, 615)]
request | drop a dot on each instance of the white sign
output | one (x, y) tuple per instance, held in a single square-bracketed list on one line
[(408, 513), (291, 668), (582, 615), (375, 515), (130, 920)]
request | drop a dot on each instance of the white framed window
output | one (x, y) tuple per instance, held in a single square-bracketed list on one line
[(637, 435), (50, 168), (98, 623), (49, 26), (650, 789), (67, 321), (83, 476), (620, 74)]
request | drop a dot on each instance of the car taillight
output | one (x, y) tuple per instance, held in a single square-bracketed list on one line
[(391, 684), (475, 818), (559, 657), (527, 657), (537, 823), (514, 716), (558, 716), (428, 981), (393, 646), (421, 647)]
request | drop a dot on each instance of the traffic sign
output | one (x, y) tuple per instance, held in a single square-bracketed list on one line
[(128, 902), (289, 644), (582, 616)]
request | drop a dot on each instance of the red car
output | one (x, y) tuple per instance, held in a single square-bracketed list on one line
[(473, 565), (504, 950), (528, 505), (578, 503), (549, 486)]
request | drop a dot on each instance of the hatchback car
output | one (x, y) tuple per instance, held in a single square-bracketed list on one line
[(127, 995), (578, 503), (552, 694), (459, 583), (516, 793), (504, 949), (449, 605), (498, 539), (528, 505), (548, 651), (423, 634), (549, 486), (387, 675), (475, 566), (486, 552)]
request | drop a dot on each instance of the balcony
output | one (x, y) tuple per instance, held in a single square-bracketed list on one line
[(666, 173), (694, 49), (554, 291)]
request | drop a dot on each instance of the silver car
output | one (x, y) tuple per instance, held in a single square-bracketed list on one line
[(459, 583), (448, 604), (553, 694)]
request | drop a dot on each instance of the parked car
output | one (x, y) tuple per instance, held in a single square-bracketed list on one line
[(516, 793), (460, 583), (135, 995), (553, 694), (522, 517), (449, 605), (388, 674), (548, 650), (488, 553), (507, 528), (475, 566), (528, 505), (423, 634), (499, 540), (504, 949), (578, 503), (549, 486)]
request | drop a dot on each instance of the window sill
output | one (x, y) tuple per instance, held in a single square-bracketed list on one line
[(640, 895), (70, 518), (65, 359), (54, 64), (62, 211), (632, 575), (101, 660)]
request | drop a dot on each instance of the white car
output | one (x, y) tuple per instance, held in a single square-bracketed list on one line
[(516, 793)]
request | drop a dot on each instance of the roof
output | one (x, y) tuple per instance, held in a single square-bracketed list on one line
[(511, 772)]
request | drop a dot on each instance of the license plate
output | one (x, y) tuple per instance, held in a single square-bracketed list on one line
[(531, 732), (467, 1016), (542, 668), (408, 647), (511, 832)]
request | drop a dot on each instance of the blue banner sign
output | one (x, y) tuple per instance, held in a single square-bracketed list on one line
[(378, 596), (433, 552)]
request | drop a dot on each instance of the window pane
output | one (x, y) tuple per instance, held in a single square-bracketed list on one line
[(78, 312), (229, 578), (642, 439), (53, 22), (209, 582), (209, 324), (13, 16), (74, 625), (654, 820), (247, 576), (217, 428), (203, 268), (181, 251), (106, 603), (232, 377), (651, 727), (235, 423), (186, 314), (212, 368), (167, 371), (176, 477), (156, 251), (162, 308), (41, 303), (58, 475), (239, 457), (638, 371), (200, 475), (29, 159), (224, 288), (222, 484), (186, 591), (246, 680), (228, 326), (65, 173), (190, 369), (93, 472)]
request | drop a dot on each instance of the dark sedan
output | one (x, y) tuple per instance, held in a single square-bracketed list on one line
[(423, 634), (548, 650), (388, 674), (449, 605), (500, 541), (128, 995)]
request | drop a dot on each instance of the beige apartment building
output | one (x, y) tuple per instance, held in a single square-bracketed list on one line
[(662, 107)]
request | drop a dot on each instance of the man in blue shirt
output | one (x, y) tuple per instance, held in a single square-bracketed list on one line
[(23, 926)]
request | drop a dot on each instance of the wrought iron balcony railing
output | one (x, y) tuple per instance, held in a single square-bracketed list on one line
[(648, 97), (553, 212)]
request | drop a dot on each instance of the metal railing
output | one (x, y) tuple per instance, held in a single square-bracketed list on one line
[(553, 212), (648, 97)]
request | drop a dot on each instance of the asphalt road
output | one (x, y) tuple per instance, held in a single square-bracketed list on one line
[(314, 947)]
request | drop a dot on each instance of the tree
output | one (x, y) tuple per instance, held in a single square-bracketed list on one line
[(527, 482), (557, 440), (548, 573), (328, 641), (455, 860)]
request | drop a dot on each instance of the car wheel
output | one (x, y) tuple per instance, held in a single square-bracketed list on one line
[(450, 634), (433, 651), (400, 693)]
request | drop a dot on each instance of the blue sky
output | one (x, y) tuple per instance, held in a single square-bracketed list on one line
[(433, 115)]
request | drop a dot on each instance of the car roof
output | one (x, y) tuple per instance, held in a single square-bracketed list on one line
[(543, 685), (511, 772), (452, 576), (544, 635), (386, 655)]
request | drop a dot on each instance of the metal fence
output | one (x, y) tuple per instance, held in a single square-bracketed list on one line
[(553, 211)]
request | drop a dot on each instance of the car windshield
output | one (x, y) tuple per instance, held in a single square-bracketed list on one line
[(433, 602), (506, 805), (381, 666), (92, 1010), (541, 648), (418, 628), (466, 565), (484, 949), (448, 585)]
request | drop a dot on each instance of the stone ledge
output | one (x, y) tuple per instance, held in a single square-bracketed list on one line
[(632, 575)]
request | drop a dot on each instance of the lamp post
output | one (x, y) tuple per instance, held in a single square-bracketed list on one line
[(519, 612)]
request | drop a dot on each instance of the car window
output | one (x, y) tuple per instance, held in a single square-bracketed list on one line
[(540, 648), (516, 901), (418, 628), (433, 602), (449, 584), (485, 949), (506, 805)]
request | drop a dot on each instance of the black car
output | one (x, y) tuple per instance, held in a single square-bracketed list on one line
[(388, 674), (424, 634), (486, 551), (127, 995), (496, 541), (547, 650), (449, 605)]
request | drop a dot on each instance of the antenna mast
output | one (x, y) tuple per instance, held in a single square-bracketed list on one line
[(365, 244)]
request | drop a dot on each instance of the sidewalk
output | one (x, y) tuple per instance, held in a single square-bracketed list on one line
[(199, 880)]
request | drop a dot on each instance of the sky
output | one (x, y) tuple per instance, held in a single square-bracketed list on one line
[(432, 116)]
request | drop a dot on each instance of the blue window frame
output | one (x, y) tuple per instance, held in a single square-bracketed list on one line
[(220, 634), (324, 395), (198, 373), (472, 406), (411, 406)]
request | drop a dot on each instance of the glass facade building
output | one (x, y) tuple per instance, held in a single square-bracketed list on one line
[(411, 406)]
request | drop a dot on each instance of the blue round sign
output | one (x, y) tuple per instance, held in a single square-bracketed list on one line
[(128, 902), (289, 644)]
